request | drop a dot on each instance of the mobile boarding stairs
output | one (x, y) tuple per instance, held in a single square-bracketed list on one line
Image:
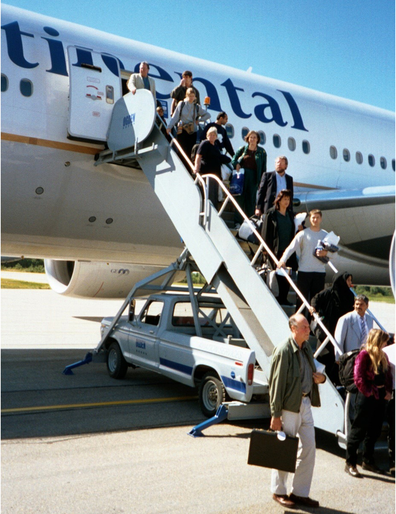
[(135, 140)]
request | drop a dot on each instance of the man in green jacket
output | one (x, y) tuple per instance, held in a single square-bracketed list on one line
[(293, 388)]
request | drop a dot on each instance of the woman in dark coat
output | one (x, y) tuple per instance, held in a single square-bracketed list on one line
[(208, 160), (253, 159), (373, 378), (330, 304), (278, 231)]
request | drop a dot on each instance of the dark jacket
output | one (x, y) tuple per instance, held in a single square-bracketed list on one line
[(179, 94), (222, 140), (261, 160), (332, 303), (266, 193), (269, 232)]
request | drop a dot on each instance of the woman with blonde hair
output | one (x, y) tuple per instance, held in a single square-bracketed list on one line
[(187, 116), (373, 378), (208, 160)]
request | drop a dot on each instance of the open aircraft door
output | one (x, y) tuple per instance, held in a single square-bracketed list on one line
[(95, 86)]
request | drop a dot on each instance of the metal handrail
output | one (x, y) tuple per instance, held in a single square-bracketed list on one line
[(263, 245), (198, 178)]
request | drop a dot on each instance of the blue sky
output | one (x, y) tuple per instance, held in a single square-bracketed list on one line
[(341, 47)]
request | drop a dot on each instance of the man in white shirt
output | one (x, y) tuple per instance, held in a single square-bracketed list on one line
[(352, 328), (311, 270)]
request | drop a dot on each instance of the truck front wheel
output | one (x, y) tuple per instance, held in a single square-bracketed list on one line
[(116, 364), (211, 394)]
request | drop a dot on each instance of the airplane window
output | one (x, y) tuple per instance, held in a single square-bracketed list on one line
[(383, 163), (262, 137), (346, 155), (4, 83), (291, 143), (26, 87), (371, 160), (245, 132), (306, 146), (359, 157), (333, 152), (230, 130), (393, 164), (277, 141)]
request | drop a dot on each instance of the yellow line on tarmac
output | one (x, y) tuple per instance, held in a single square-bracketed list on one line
[(98, 404)]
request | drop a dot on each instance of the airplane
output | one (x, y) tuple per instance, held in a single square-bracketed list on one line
[(101, 229)]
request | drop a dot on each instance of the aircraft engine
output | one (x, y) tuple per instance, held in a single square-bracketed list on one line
[(85, 279)]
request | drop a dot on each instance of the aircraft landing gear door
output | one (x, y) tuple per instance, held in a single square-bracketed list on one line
[(95, 86)]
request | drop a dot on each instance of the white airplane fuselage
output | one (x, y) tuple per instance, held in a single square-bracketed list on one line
[(57, 205)]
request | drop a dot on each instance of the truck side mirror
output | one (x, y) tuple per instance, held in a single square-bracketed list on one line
[(131, 312)]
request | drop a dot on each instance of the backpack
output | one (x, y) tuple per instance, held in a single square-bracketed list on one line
[(194, 152), (345, 370)]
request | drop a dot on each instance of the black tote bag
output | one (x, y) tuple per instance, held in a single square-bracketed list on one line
[(268, 451)]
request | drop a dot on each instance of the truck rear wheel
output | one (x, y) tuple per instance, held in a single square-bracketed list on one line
[(116, 364), (211, 394)]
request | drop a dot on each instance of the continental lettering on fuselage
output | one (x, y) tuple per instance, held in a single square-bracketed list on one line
[(267, 112)]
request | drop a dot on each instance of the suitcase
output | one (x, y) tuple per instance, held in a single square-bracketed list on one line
[(269, 451), (246, 233), (237, 181)]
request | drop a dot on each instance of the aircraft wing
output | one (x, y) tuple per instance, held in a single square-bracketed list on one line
[(363, 218), (343, 198)]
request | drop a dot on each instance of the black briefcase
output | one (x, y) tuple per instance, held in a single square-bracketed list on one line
[(269, 451)]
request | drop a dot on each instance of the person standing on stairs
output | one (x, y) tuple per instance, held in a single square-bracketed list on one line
[(141, 80), (278, 232), (271, 185), (187, 116), (253, 159), (311, 270)]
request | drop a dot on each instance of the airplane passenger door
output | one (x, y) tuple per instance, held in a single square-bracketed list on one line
[(95, 86)]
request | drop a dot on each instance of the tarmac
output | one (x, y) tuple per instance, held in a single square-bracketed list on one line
[(73, 322), (156, 470)]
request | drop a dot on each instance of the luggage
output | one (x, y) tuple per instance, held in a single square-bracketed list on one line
[(270, 450), (345, 370), (237, 181), (246, 233), (272, 283)]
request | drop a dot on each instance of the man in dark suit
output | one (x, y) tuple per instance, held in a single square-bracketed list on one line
[(271, 184)]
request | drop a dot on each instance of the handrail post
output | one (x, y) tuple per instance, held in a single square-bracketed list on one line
[(264, 245)]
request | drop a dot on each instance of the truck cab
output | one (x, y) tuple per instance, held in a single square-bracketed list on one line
[(199, 346)]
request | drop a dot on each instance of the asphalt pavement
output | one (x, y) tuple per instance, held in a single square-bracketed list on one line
[(88, 444)]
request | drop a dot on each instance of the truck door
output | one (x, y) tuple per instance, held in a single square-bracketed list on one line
[(95, 86), (143, 339)]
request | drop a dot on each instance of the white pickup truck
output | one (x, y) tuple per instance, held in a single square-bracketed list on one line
[(198, 345)]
